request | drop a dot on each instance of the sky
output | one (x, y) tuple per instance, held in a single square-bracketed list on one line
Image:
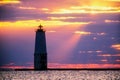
[(79, 33)]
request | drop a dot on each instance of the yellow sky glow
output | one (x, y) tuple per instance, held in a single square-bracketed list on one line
[(33, 23), (93, 6), (62, 18), (87, 9), (9, 1)]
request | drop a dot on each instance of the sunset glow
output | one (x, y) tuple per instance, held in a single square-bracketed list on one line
[(79, 33), (57, 65), (69, 66)]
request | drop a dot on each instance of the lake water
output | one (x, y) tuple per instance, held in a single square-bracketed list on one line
[(61, 75)]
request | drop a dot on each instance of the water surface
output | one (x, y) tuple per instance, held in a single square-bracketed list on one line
[(61, 75)]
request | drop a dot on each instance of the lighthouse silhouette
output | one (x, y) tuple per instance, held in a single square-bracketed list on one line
[(40, 53)]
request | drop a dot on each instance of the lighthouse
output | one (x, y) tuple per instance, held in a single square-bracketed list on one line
[(40, 53)]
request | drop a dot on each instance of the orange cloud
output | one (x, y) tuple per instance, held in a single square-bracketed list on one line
[(82, 32), (44, 9), (87, 9), (27, 8), (116, 46), (108, 55), (110, 21), (2, 2), (61, 18)]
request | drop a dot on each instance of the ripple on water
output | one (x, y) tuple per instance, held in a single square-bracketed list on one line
[(60, 75)]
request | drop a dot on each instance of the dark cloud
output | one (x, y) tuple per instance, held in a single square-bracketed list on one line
[(7, 13)]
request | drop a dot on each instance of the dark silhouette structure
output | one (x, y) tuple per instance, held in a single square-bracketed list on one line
[(40, 55)]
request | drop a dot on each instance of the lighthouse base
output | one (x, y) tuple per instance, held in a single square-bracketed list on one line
[(40, 61)]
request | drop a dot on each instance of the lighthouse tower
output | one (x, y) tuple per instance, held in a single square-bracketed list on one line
[(40, 55)]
